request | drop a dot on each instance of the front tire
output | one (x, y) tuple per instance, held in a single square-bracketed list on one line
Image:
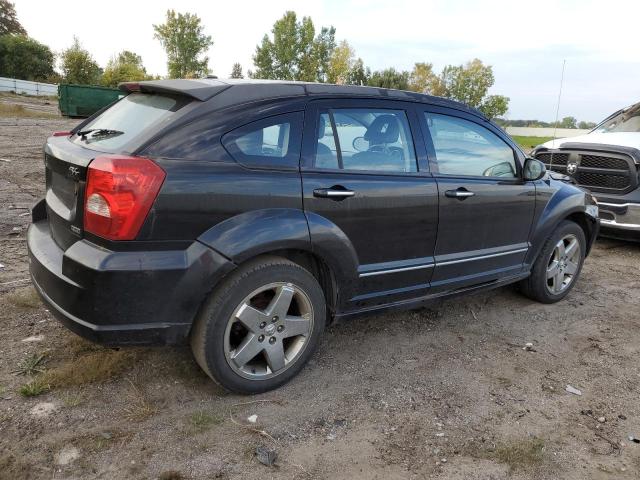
[(260, 326), (558, 266)]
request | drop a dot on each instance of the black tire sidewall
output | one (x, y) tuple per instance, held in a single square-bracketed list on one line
[(228, 299), (538, 279)]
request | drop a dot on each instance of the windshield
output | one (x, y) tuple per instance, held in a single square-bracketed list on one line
[(126, 120), (625, 121)]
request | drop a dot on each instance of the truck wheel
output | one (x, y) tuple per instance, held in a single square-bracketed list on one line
[(260, 326), (558, 266)]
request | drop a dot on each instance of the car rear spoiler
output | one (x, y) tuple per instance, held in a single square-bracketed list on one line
[(201, 90)]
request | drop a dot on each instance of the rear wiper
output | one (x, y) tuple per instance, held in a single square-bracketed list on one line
[(98, 132)]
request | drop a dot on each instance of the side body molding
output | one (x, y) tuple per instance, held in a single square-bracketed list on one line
[(259, 231)]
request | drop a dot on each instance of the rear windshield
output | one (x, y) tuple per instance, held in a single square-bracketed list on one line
[(626, 121), (130, 118)]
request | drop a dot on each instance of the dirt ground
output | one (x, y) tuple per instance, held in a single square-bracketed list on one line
[(446, 392)]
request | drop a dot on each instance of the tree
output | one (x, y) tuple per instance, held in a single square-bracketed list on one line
[(568, 122), (390, 78), (124, 67), (340, 63), (24, 58), (359, 74), (78, 66), (294, 52), (236, 71), (182, 36), (470, 84), (9, 24), (422, 79), (323, 47), (586, 125)]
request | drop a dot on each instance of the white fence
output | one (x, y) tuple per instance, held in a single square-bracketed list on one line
[(26, 87), (546, 132)]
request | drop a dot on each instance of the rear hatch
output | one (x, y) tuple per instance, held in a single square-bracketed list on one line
[(121, 129)]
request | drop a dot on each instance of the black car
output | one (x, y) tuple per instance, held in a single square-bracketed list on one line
[(245, 216)]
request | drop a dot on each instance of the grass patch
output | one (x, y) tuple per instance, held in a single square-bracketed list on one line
[(24, 298), (139, 407), (31, 365), (72, 399), (95, 366), (12, 110), (528, 143), (35, 387), (520, 455), (201, 421)]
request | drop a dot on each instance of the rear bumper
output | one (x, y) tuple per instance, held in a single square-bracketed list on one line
[(123, 298)]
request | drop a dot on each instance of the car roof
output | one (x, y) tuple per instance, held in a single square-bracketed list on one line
[(243, 91)]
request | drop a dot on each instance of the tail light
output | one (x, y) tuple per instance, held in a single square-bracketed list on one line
[(61, 134), (119, 194)]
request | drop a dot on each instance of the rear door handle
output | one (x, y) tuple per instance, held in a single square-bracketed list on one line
[(461, 193), (333, 192)]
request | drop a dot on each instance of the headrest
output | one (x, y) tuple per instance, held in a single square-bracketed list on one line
[(384, 129)]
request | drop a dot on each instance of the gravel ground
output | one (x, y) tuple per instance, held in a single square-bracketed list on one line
[(446, 392)]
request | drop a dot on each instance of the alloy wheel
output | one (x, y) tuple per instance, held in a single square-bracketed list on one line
[(268, 331), (563, 264)]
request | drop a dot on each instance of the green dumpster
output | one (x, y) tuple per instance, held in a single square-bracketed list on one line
[(85, 100)]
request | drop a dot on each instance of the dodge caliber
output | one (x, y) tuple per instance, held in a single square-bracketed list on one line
[(243, 217)]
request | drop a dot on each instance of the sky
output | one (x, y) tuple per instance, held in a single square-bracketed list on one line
[(525, 42)]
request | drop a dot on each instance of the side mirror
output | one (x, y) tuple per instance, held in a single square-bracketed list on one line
[(534, 169)]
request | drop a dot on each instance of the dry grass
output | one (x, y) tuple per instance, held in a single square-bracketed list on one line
[(139, 407), (94, 366), (12, 110), (31, 365), (23, 298)]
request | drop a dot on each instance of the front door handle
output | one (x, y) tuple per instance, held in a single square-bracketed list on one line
[(461, 193), (333, 192)]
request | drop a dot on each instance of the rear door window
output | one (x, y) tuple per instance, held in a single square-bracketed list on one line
[(270, 142), (377, 140), (128, 119)]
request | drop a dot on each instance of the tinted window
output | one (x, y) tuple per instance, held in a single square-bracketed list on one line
[(466, 148), (127, 119), (365, 139), (274, 141)]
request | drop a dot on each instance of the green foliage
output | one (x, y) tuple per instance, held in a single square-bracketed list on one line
[(34, 388), (568, 122), (340, 63), (124, 67), (24, 58), (182, 36), (586, 125), (359, 74), (9, 24), (295, 52), (470, 84), (236, 71), (390, 78), (422, 79), (78, 66)]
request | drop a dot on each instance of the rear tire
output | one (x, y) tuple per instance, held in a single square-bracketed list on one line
[(260, 326), (558, 267)]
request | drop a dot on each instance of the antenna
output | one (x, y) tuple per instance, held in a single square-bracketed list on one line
[(555, 124)]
